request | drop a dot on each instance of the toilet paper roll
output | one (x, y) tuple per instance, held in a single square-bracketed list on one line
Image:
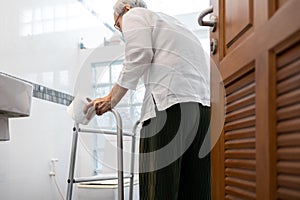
[(75, 110)]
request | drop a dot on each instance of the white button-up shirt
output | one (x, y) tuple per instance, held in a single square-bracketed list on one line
[(168, 57)]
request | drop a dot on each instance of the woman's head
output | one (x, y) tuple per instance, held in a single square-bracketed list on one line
[(122, 6)]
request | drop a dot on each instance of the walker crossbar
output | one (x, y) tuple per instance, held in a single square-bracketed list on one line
[(106, 132), (120, 177), (89, 179)]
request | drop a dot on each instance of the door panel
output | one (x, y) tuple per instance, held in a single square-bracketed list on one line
[(288, 122), (257, 155), (238, 19), (239, 133)]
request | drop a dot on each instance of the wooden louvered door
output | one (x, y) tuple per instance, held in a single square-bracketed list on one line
[(258, 153), (287, 61)]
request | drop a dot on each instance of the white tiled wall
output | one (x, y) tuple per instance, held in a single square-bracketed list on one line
[(52, 60)]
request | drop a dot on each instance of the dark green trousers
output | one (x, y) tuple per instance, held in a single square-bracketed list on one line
[(170, 168)]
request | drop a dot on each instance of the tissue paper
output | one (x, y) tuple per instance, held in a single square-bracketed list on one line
[(75, 110)]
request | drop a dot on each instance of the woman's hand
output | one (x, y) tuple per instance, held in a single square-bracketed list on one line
[(104, 104), (100, 105)]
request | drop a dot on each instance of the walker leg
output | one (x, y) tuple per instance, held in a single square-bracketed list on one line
[(72, 163), (119, 155), (132, 169), (132, 160)]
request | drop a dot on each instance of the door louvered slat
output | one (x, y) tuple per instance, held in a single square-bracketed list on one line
[(290, 112), (289, 56), (249, 89), (239, 134), (244, 153), (240, 143), (239, 84), (288, 70), (289, 84), (240, 163), (245, 112), (288, 167), (286, 140), (240, 173), (289, 181), (284, 193), (241, 103), (238, 192), (288, 123), (291, 153), (239, 124), (242, 183), (288, 98)]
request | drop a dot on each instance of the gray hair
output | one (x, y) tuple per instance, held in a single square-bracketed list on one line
[(119, 6)]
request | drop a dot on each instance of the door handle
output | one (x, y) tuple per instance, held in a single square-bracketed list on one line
[(212, 23)]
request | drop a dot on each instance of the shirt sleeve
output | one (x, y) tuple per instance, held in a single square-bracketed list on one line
[(138, 49)]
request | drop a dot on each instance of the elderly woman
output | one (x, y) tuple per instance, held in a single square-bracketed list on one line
[(175, 113)]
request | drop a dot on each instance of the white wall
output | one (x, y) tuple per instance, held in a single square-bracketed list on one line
[(50, 59), (25, 159)]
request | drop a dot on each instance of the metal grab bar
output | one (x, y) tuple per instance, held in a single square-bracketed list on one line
[(72, 180)]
